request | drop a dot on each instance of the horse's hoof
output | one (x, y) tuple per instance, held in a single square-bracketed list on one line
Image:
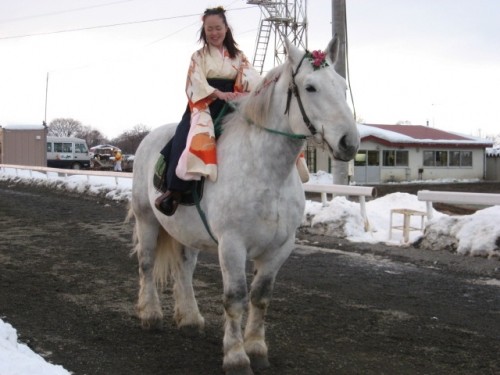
[(239, 371), (191, 330), (259, 362), (151, 324)]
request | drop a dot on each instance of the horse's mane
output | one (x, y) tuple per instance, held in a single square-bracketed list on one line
[(256, 106)]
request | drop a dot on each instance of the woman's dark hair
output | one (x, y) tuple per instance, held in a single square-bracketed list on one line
[(229, 42)]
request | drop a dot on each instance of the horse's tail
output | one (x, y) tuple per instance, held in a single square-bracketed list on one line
[(167, 258), (167, 253)]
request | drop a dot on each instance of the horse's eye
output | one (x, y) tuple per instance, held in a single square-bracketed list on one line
[(310, 88)]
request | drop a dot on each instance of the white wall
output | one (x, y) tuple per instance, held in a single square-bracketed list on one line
[(416, 162)]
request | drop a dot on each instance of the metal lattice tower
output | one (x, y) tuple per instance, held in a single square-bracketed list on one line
[(284, 19)]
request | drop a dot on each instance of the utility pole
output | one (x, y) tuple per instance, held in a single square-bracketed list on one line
[(46, 97), (340, 169)]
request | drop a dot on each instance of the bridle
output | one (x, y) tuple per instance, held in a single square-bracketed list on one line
[(292, 89)]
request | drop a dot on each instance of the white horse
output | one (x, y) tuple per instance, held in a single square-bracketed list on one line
[(254, 207)]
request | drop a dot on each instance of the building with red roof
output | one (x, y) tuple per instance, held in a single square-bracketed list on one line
[(397, 153)]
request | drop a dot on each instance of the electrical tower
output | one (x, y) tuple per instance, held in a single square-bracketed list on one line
[(283, 20)]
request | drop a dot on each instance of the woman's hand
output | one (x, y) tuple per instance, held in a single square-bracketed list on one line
[(227, 96)]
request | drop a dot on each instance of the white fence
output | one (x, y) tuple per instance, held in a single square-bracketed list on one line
[(65, 172), (453, 197), (336, 190), (345, 190)]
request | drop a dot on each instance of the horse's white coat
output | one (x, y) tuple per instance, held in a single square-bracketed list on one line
[(253, 209)]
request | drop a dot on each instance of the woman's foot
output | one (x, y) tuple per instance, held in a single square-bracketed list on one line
[(167, 202)]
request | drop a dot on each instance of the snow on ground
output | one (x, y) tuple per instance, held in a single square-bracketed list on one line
[(18, 359), (477, 235)]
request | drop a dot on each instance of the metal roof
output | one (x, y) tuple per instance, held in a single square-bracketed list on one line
[(418, 136)]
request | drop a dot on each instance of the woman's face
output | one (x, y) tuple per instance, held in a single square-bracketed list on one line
[(215, 30)]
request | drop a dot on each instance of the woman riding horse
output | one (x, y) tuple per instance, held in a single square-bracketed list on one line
[(219, 72)]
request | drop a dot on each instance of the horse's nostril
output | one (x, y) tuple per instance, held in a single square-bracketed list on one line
[(343, 144), (347, 146)]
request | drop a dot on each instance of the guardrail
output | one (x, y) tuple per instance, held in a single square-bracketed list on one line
[(345, 190), (453, 197), (336, 190), (66, 172)]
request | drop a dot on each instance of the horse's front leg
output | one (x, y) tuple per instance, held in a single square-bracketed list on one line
[(266, 268), (232, 261)]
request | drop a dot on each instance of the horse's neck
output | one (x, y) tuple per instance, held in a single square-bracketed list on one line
[(267, 151)]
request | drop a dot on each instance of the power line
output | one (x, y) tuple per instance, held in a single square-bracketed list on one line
[(93, 27), (62, 11), (106, 26)]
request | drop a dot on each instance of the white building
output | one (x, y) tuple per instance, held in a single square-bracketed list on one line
[(392, 153)]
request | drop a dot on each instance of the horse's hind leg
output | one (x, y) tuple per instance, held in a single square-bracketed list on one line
[(265, 271), (186, 312), (148, 305)]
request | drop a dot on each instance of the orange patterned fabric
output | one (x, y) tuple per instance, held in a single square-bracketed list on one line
[(199, 159)]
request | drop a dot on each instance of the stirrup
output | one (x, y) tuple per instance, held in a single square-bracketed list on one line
[(168, 202)]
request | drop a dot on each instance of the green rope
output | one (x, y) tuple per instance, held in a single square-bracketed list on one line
[(218, 120), (218, 132), (196, 199), (289, 135), (286, 134)]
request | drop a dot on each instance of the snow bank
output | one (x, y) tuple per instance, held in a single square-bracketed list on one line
[(17, 359), (476, 235)]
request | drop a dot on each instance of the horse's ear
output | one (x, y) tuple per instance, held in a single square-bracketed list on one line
[(294, 54), (332, 50)]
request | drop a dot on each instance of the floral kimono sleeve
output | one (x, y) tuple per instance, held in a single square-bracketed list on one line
[(197, 87), (199, 159), (247, 77)]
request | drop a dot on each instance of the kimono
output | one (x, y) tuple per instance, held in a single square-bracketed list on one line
[(199, 158)]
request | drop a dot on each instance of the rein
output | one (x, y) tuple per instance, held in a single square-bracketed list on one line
[(292, 89), (269, 130)]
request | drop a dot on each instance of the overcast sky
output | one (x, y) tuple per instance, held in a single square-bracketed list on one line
[(422, 61)]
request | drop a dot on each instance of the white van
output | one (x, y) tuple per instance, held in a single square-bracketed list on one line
[(64, 152)]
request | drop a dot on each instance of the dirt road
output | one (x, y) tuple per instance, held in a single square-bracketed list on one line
[(68, 285)]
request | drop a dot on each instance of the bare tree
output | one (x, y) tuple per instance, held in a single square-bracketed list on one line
[(130, 140), (93, 137), (64, 127)]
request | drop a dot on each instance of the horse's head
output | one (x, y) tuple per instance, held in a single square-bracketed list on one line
[(316, 100)]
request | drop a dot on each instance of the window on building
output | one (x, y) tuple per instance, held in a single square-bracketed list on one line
[(367, 157), (311, 158), (360, 159), (454, 159), (447, 158), (373, 158), (441, 158), (402, 158), (466, 158), (49, 147), (389, 158), (395, 158), (429, 159)]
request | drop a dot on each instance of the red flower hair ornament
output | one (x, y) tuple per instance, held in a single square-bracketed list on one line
[(317, 59)]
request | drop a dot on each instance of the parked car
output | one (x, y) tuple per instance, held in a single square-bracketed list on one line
[(101, 157), (128, 162), (66, 152)]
